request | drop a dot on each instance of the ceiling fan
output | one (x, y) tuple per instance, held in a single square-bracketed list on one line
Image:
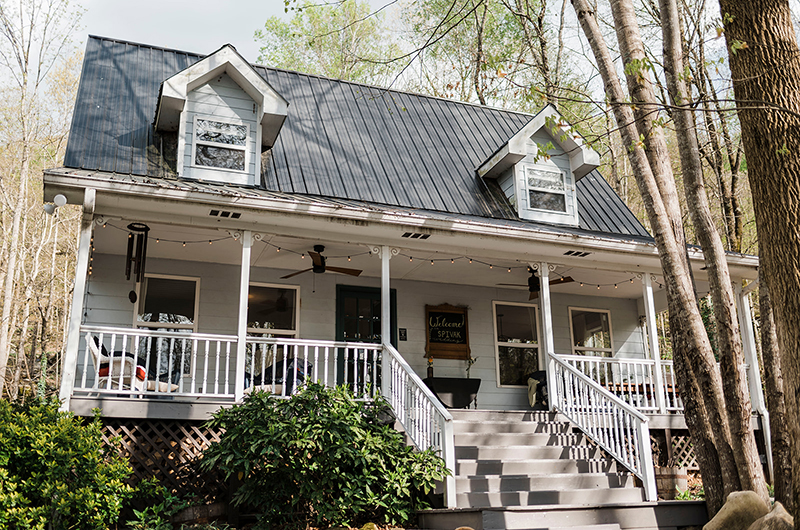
[(534, 284), (319, 266)]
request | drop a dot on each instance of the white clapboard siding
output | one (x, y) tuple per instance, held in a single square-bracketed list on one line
[(108, 304)]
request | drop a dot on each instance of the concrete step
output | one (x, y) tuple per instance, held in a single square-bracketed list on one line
[(554, 427), (520, 438), (527, 452), (504, 415), (587, 527), (530, 498), (470, 467), (555, 481)]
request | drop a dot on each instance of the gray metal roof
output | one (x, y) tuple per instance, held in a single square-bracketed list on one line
[(341, 140)]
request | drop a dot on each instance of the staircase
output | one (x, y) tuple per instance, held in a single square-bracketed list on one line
[(529, 470)]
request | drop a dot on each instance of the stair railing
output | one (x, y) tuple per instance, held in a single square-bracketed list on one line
[(608, 421), (426, 421)]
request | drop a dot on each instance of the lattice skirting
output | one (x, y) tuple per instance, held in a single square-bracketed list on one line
[(170, 451), (683, 454)]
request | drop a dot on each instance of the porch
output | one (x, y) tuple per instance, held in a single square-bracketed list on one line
[(218, 314)]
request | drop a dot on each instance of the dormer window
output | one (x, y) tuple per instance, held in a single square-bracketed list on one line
[(537, 168), (546, 190), (221, 144)]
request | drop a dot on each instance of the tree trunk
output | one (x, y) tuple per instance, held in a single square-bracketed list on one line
[(765, 68), (731, 356), (773, 387)]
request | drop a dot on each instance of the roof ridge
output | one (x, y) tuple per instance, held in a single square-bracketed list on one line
[(319, 76)]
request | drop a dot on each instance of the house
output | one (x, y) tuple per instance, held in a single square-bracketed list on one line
[(248, 227)]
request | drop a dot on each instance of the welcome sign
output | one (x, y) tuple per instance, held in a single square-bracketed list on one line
[(447, 332)]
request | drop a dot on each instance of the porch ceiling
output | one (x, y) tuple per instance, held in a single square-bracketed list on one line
[(167, 242)]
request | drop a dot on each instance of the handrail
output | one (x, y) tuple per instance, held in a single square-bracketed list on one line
[(633, 380), (426, 421), (612, 424)]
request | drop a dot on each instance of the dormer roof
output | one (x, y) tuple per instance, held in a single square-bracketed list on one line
[(582, 158), (272, 107)]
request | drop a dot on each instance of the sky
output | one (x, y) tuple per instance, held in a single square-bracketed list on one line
[(199, 26)]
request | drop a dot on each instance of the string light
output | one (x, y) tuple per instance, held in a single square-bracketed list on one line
[(615, 286), (631, 280), (158, 240), (431, 262), (105, 225), (581, 284), (278, 250), (452, 260), (470, 261), (509, 269), (209, 241), (410, 258), (348, 258), (184, 243), (302, 256), (598, 287), (491, 266)]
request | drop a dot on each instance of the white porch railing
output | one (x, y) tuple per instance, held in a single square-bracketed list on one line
[(611, 423), (632, 380), (123, 361), (425, 420), (149, 363), (281, 364)]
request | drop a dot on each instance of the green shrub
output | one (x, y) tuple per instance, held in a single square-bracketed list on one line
[(54, 473), (321, 459)]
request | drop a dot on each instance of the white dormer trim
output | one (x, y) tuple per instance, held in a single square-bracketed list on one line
[(272, 107), (582, 158)]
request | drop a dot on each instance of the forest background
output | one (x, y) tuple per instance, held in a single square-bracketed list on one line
[(515, 54)]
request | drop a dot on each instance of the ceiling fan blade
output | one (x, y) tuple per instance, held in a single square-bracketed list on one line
[(565, 279), (343, 270), (316, 258), (534, 295), (294, 274)]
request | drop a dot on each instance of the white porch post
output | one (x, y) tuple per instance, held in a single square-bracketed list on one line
[(751, 358), (547, 329), (386, 316), (78, 292), (652, 339), (241, 333)]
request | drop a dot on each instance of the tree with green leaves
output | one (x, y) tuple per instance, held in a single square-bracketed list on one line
[(343, 40)]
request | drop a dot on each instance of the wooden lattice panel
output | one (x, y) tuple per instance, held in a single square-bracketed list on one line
[(170, 451), (683, 453)]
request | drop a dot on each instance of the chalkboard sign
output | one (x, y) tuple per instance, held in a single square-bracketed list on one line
[(447, 332)]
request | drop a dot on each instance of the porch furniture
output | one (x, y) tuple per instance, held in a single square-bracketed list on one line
[(274, 376), (454, 392), (134, 375)]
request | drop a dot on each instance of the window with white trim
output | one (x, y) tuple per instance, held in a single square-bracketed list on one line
[(591, 332), (167, 303), (516, 342), (546, 189), (272, 310), (221, 144)]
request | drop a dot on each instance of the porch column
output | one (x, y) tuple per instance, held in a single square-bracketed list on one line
[(547, 329), (386, 315), (751, 358), (241, 333), (78, 292), (652, 340)]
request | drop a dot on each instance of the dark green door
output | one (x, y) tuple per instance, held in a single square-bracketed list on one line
[(358, 319)]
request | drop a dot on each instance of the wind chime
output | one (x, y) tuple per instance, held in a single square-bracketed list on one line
[(137, 255)]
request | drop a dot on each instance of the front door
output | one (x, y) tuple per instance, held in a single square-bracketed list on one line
[(358, 319), (358, 314)]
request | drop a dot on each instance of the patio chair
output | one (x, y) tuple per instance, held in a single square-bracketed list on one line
[(134, 374)]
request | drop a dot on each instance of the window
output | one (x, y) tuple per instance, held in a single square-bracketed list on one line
[(220, 144), (167, 303), (272, 310), (591, 332), (516, 342), (546, 190)]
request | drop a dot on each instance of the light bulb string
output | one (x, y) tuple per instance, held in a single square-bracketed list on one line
[(505, 269)]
